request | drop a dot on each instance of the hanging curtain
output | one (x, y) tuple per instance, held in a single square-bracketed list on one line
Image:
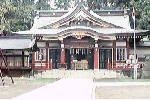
[(73, 51), (77, 51), (82, 51), (87, 51), (70, 51)]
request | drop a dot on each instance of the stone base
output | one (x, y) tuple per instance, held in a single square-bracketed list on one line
[(96, 69)]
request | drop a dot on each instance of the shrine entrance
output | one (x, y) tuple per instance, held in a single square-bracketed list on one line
[(78, 58), (79, 53)]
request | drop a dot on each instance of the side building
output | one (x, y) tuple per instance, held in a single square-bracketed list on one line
[(16, 54)]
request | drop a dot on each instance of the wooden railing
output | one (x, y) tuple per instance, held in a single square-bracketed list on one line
[(13, 65), (139, 65), (129, 66)]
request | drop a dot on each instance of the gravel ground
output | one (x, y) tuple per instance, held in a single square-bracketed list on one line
[(122, 92), (120, 80), (21, 86)]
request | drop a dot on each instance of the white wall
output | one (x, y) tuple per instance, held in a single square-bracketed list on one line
[(54, 45), (41, 44), (121, 43), (17, 52)]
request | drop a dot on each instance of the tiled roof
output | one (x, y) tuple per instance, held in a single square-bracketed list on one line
[(10, 43), (121, 20), (106, 31), (74, 12), (41, 21)]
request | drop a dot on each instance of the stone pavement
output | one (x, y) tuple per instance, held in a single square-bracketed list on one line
[(73, 88), (65, 88)]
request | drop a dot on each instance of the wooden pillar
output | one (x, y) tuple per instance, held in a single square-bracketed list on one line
[(96, 56), (63, 56), (50, 64), (33, 60), (47, 60), (96, 59), (128, 48), (22, 58), (114, 51), (47, 56)]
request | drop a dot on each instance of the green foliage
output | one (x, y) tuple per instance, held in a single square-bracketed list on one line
[(42, 5), (16, 15), (107, 4), (142, 9), (143, 14), (62, 4)]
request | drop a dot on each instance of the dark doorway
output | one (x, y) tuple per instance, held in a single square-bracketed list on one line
[(90, 58), (55, 56), (80, 54), (104, 54)]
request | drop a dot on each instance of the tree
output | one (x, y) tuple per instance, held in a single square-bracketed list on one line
[(43, 5), (142, 14), (6, 14), (16, 15), (142, 9), (62, 4)]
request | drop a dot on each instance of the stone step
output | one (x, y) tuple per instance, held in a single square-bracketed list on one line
[(77, 74)]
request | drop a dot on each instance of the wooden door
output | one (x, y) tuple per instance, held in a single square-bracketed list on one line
[(104, 55), (55, 56)]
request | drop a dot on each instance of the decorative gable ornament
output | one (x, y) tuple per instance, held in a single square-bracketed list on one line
[(78, 35)]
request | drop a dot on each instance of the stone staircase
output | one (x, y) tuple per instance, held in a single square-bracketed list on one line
[(56, 73)]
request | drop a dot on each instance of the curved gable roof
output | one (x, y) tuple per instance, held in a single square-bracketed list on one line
[(71, 14)]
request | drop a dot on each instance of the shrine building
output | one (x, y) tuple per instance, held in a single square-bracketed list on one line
[(80, 39)]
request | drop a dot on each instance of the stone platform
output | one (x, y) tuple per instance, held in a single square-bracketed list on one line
[(56, 73)]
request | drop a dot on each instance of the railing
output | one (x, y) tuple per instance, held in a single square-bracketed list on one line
[(13, 65), (138, 65), (129, 63), (129, 66)]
